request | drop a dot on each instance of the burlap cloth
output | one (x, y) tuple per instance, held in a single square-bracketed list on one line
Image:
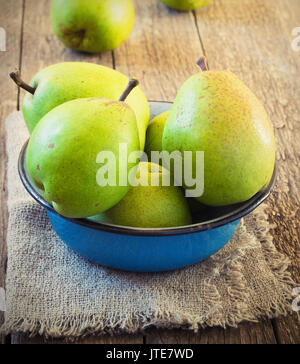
[(54, 292)]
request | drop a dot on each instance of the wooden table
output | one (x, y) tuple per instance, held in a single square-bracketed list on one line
[(252, 38)]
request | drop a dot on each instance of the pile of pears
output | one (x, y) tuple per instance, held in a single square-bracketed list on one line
[(76, 110)]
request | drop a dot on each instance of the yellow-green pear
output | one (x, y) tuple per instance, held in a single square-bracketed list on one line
[(69, 151), (148, 206), (185, 5), (155, 133), (216, 113), (92, 26), (68, 81)]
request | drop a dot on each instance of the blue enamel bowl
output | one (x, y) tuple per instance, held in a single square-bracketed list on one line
[(148, 250)]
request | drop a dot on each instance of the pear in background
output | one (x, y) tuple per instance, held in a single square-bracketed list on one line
[(217, 113), (92, 26), (147, 206), (185, 5), (68, 81)]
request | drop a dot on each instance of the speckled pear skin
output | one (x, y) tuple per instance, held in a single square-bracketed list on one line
[(92, 26), (63, 149), (155, 133), (149, 206), (68, 81), (185, 5), (217, 113)]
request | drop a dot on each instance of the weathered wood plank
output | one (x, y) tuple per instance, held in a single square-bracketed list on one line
[(11, 22), (246, 333), (287, 330), (94, 340), (161, 50)]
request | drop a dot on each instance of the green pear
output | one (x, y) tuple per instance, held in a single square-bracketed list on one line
[(147, 205), (155, 133), (92, 26), (218, 114), (68, 81), (62, 157), (185, 5)]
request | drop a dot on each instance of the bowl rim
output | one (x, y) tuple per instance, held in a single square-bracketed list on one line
[(250, 205)]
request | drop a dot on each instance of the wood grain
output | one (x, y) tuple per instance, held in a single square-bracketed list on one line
[(11, 21), (246, 333), (94, 340), (161, 50), (287, 330)]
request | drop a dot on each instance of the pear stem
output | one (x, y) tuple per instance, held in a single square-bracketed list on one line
[(15, 76), (133, 83), (202, 63)]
